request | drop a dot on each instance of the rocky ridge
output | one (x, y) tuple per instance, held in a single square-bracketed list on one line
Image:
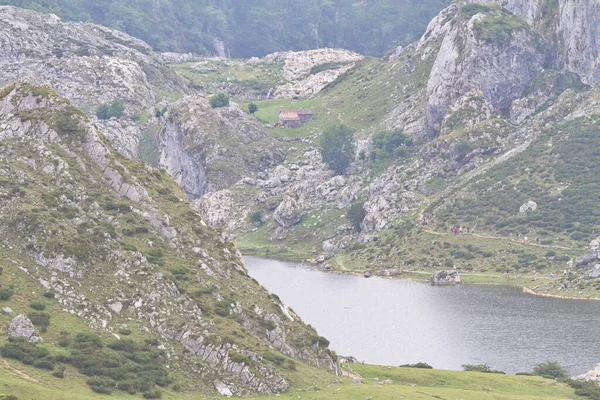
[(109, 237)]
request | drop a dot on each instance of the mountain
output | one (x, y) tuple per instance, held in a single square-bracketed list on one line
[(99, 250)]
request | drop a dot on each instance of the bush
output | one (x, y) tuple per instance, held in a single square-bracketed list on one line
[(87, 340), (114, 108), (417, 365), (462, 149), (5, 294), (219, 100), (222, 308), (49, 295), (480, 368), (590, 390), (274, 358), (101, 385), (59, 374), (153, 394), (252, 108), (36, 305), (45, 363), (125, 331), (550, 369), (256, 218), (390, 143), (39, 318), (356, 214), (337, 148)]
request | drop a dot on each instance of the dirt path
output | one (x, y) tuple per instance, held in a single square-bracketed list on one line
[(4, 364), (499, 238)]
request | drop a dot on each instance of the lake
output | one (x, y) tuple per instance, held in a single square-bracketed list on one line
[(393, 322)]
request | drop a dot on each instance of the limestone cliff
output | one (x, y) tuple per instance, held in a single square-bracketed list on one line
[(208, 149)]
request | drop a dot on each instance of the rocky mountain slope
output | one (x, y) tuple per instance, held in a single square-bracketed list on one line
[(490, 88), (109, 247)]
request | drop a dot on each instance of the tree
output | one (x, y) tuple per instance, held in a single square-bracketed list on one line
[(219, 100), (551, 369), (252, 108), (114, 108), (337, 148), (356, 214)]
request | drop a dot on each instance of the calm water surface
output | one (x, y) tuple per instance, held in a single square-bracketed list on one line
[(393, 322)]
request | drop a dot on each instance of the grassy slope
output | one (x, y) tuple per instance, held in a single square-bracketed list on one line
[(406, 383)]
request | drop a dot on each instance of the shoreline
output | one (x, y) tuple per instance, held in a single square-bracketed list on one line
[(318, 267)]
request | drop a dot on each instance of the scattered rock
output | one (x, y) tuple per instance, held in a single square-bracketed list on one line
[(223, 389), (529, 206), (594, 273), (442, 278), (592, 375), (368, 274), (7, 310), (22, 327)]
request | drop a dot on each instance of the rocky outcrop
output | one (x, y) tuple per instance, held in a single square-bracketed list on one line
[(88, 64), (442, 278), (499, 66), (207, 149), (308, 72), (571, 26), (22, 327), (591, 376), (529, 206)]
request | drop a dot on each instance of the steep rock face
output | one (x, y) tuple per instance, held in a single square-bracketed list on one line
[(108, 236), (572, 26), (208, 149), (88, 64), (475, 57)]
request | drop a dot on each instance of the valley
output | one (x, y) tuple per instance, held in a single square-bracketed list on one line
[(133, 184)]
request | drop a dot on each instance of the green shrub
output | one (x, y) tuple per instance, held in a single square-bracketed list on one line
[(252, 108), (101, 385), (550, 369), (274, 357), (45, 363), (337, 148), (587, 389), (356, 214), (222, 308), (219, 100), (480, 368), (114, 108), (256, 218), (49, 295), (153, 394), (87, 340), (390, 144), (125, 331), (417, 365), (59, 374), (471, 10), (5, 294), (41, 319), (239, 358), (36, 305)]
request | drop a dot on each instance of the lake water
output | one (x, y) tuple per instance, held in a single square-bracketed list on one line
[(393, 322)]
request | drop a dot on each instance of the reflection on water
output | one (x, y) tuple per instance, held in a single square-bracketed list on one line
[(393, 322)]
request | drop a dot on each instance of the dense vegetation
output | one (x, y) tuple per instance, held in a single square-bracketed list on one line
[(254, 28), (337, 148)]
